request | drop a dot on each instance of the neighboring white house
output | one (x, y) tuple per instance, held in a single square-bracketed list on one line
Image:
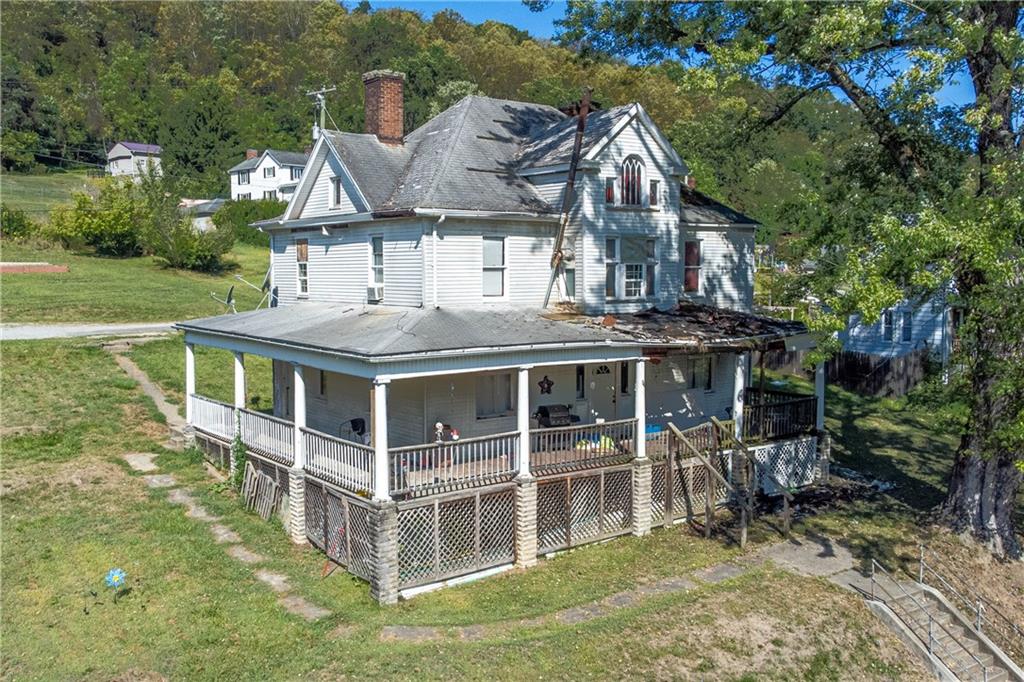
[(132, 159), (272, 174), (201, 211), (413, 353), (904, 328)]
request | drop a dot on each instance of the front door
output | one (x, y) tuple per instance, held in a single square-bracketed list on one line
[(603, 398)]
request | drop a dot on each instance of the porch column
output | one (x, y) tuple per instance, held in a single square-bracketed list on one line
[(297, 474), (819, 393), (190, 380), (379, 426), (523, 421), (239, 404), (642, 465), (739, 392)]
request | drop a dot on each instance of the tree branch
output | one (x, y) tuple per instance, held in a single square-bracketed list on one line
[(782, 109)]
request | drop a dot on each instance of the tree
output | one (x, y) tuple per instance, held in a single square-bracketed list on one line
[(936, 197)]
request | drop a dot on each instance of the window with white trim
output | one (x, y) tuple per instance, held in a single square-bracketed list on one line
[(296, 172), (907, 326), (691, 266), (377, 261), (653, 192), (887, 325), (631, 182), (243, 177), (270, 194), (494, 395), (700, 373), (245, 197), (269, 172), (336, 192), (609, 190), (581, 382), (570, 281), (630, 267), (302, 266), (611, 267), (624, 378), (494, 267), (322, 384)]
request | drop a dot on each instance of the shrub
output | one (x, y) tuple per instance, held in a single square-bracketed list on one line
[(110, 223), (236, 216), (15, 224)]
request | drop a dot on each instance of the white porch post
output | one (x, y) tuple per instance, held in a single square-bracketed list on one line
[(381, 483), (523, 420), (190, 380), (819, 393), (640, 407), (239, 379), (739, 392), (297, 474)]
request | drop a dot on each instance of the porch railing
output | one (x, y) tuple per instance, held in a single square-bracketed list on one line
[(338, 461), (268, 436), (470, 461), (212, 416), (779, 415), (580, 447)]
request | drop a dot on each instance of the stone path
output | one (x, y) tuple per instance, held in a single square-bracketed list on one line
[(222, 534), (25, 332)]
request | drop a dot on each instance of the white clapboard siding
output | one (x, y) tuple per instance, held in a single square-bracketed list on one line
[(727, 267), (551, 187), (600, 221), (318, 203), (403, 264), (670, 400), (283, 259), (927, 324)]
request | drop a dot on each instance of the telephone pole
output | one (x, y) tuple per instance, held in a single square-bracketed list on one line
[(320, 101)]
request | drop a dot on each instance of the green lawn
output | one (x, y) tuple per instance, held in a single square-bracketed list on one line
[(123, 289), (38, 194), (72, 510)]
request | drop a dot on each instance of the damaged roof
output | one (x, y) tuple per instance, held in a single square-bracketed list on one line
[(374, 331), (700, 209)]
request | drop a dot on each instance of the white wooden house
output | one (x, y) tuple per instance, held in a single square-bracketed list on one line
[(132, 159), (415, 363), (271, 174)]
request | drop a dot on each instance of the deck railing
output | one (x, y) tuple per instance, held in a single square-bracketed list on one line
[(338, 461), (582, 446), (212, 416), (779, 415), (470, 461), (268, 436)]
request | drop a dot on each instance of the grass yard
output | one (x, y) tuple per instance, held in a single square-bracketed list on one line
[(39, 194), (72, 510), (123, 290)]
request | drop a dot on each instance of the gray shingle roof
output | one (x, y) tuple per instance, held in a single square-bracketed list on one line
[(283, 158), (141, 147), (377, 168), (699, 209), (553, 145)]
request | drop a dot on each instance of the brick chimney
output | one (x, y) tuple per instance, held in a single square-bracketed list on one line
[(251, 154), (383, 91)]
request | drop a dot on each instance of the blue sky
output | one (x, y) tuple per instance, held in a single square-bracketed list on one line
[(541, 25)]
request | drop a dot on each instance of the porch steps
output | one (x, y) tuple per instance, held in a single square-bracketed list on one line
[(952, 643)]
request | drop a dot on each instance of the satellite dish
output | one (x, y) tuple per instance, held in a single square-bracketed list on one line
[(229, 300)]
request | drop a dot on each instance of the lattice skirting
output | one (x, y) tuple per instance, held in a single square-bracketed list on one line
[(679, 488), (276, 471), (794, 463), (455, 534), (340, 526), (583, 507), (217, 451)]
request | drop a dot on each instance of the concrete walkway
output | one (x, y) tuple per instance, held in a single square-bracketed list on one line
[(32, 332)]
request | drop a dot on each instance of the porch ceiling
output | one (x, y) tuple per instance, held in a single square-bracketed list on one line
[(376, 331)]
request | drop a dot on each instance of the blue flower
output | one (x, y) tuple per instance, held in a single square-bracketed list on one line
[(115, 578)]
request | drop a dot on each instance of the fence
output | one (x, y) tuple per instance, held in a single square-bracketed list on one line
[(455, 534), (578, 447), (473, 461), (213, 417), (341, 526), (792, 463), (679, 487), (268, 436), (777, 414), (582, 507), (338, 461)]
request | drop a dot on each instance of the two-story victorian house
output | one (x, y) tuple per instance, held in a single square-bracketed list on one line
[(432, 418), (271, 174)]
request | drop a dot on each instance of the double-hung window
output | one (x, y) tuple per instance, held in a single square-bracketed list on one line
[(302, 266), (336, 192), (701, 373), (377, 261), (245, 197), (296, 172), (270, 194), (652, 194), (581, 382), (887, 325), (611, 267), (269, 172), (243, 177), (691, 266), (630, 267), (494, 267), (907, 327), (493, 395), (609, 190)]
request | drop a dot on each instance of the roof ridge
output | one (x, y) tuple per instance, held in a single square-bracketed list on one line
[(440, 168)]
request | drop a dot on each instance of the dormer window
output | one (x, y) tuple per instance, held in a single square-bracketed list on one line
[(631, 182)]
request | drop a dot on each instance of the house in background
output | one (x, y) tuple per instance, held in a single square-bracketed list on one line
[(200, 212), (272, 174), (132, 159), (434, 414)]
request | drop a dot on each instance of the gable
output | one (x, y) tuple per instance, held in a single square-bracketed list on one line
[(313, 196), (638, 133)]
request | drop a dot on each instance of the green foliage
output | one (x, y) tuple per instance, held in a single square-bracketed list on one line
[(237, 216), (15, 224), (239, 459), (110, 223), (200, 139), (17, 149)]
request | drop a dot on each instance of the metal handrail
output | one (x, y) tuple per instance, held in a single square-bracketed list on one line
[(981, 605), (932, 640)]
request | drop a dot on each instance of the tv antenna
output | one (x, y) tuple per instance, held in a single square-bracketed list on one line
[(228, 300), (263, 288), (320, 100)]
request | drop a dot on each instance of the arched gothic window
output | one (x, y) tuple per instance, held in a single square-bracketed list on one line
[(632, 181)]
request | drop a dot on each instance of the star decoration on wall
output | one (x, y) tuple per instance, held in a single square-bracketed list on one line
[(545, 384)]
